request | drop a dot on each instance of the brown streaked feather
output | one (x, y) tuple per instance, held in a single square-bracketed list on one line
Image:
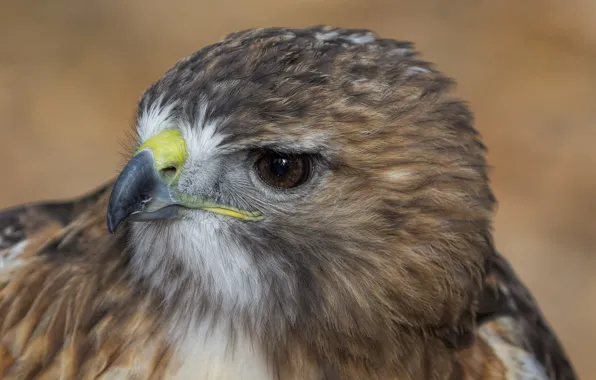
[(67, 307)]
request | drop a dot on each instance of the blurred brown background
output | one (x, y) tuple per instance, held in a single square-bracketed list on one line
[(71, 72)]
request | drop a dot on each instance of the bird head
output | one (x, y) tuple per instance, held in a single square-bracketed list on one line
[(308, 178)]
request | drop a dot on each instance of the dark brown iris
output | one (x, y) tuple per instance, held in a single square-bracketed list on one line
[(283, 171)]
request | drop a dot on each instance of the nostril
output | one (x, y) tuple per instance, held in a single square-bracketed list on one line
[(168, 173)]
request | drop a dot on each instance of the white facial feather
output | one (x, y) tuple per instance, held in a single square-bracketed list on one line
[(226, 272), (155, 119), (204, 247), (202, 139), (201, 241), (205, 346)]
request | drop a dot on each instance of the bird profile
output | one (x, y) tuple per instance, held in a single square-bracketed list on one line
[(299, 204)]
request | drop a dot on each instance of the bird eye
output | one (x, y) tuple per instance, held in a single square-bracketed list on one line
[(283, 171)]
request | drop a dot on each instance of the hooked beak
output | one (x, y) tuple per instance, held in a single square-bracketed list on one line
[(144, 189)]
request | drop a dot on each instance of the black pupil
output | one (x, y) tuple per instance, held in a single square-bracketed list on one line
[(280, 166)]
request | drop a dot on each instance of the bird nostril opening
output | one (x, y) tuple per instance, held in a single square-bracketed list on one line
[(168, 173)]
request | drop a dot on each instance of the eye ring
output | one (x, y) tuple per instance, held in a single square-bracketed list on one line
[(283, 171)]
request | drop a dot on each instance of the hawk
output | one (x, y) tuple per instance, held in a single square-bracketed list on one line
[(298, 204)]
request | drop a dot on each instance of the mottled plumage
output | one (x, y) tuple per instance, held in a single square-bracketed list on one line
[(379, 264)]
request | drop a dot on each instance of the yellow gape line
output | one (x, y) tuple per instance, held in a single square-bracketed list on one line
[(239, 214)]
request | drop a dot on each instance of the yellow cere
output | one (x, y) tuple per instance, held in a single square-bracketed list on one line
[(168, 148)]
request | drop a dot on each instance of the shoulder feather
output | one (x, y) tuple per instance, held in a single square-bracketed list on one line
[(513, 339), (68, 307)]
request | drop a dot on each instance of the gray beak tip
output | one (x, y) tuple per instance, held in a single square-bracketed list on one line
[(112, 225), (138, 191)]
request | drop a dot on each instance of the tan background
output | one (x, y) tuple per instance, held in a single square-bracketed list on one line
[(71, 71)]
